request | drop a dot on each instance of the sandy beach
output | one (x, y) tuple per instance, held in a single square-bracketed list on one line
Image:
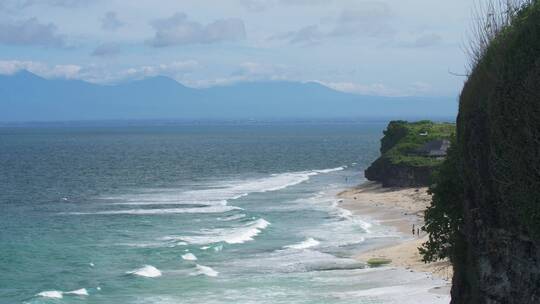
[(400, 208)]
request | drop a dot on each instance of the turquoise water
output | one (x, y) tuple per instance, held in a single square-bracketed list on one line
[(187, 214)]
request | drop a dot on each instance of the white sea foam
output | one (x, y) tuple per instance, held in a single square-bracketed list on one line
[(210, 209), (53, 294), (56, 294), (403, 294), (148, 271), (78, 292), (331, 170), (236, 235), (205, 270), (238, 188), (308, 243), (247, 234), (143, 202), (214, 199), (340, 228), (189, 257), (141, 245), (232, 217), (280, 181), (294, 261)]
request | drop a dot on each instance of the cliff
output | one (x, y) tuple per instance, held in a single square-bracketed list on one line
[(486, 207), (410, 152)]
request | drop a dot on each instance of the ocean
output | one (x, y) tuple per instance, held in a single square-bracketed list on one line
[(191, 213)]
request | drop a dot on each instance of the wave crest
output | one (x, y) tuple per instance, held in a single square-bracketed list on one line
[(53, 294), (308, 243), (236, 235), (147, 271), (189, 257), (210, 209), (205, 270)]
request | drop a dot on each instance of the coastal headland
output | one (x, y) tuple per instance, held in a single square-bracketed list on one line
[(397, 195)]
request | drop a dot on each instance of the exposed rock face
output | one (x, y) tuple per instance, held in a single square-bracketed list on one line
[(392, 175), (410, 153), (499, 143), (501, 261)]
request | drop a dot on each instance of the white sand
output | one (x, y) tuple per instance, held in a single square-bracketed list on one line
[(400, 208)]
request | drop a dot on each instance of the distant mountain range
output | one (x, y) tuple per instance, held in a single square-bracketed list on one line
[(28, 97)]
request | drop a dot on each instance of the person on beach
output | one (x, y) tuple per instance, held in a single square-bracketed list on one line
[(412, 229)]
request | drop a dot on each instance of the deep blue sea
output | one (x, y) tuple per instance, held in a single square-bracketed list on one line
[(189, 213)]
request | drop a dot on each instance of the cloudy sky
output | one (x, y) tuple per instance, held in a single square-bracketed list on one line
[(375, 47)]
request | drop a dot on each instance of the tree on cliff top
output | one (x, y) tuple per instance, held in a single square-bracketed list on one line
[(500, 53)]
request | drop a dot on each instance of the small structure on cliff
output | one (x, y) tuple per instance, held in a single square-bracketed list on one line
[(435, 148), (410, 153)]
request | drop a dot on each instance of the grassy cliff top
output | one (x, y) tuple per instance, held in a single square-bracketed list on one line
[(402, 139)]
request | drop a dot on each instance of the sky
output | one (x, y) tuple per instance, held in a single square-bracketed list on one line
[(372, 47)]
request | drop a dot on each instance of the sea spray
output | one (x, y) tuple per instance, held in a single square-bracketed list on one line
[(234, 235), (57, 294), (189, 257), (147, 271), (308, 243), (53, 294), (210, 209), (78, 292), (205, 270)]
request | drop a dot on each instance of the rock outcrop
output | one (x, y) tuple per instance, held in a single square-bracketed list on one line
[(410, 153), (398, 175), (498, 142)]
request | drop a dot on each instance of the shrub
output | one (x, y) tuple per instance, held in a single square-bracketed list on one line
[(376, 262), (444, 218)]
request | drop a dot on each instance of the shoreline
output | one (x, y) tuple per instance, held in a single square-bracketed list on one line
[(400, 208)]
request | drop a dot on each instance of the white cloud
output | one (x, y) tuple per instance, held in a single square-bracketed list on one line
[(10, 67), (30, 32), (419, 88), (13, 5), (261, 69), (247, 72), (173, 70), (96, 73), (307, 35), (378, 89), (68, 71), (261, 5), (106, 50), (255, 5), (369, 19), (111, 22), (424, 40), (179, 30)]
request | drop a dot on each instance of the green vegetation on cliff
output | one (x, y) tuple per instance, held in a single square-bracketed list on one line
[(402, 140), (410, 152), (485, 213), (444, 218), (503, 91)]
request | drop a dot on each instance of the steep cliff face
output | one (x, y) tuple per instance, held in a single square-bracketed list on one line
[(398, 175), (401, 164), (498, 141)]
